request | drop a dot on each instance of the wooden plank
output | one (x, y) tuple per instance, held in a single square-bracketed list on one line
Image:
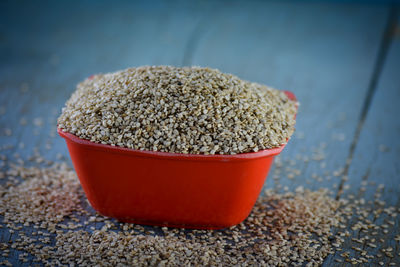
[(378, 146), (323, 52), (375, 164)]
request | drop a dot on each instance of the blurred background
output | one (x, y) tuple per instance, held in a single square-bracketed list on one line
[(340, 58)]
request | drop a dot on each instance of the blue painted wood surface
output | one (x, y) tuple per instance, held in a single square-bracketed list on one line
[(376, 161), (325, 53), (377, 155)]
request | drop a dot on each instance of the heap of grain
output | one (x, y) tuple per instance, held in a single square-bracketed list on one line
[(49, 221), (181, 110)]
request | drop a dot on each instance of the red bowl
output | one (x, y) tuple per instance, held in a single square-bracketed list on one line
[(170, 189)]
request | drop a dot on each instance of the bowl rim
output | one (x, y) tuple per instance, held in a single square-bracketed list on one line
[(168, 155)]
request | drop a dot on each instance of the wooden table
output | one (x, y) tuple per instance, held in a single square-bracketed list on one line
[(342, 60)]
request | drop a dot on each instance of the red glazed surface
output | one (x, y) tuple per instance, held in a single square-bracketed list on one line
[(170, 189)]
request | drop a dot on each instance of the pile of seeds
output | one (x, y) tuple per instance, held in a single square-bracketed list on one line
[(49, 222), (182, 110), (282, 229), (45, 195)]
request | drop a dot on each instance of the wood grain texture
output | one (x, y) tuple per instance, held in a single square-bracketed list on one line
[(373, 170), (324, 52), (376, 163), (377, 154)]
